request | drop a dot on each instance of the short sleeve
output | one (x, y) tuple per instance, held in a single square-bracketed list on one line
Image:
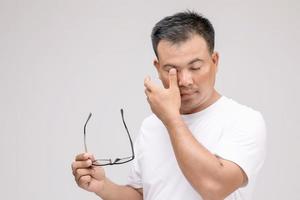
[(244, 143), (134, 178)]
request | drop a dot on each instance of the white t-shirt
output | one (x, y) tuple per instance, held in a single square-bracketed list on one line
[(227, 129)]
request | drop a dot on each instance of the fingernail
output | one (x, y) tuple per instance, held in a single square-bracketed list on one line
[(89, 162), (87, 155), (172, 71)]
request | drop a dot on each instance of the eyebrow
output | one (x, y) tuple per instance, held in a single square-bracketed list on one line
[(195, 60), (189, 63)]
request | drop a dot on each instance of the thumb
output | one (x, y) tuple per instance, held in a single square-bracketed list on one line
[(173, 78)]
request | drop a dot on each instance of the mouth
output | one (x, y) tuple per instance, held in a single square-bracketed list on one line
[(187, 94)]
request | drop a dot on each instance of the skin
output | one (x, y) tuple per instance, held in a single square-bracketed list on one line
[(187, 71)]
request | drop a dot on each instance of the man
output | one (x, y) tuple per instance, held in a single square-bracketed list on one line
[(198, 144)]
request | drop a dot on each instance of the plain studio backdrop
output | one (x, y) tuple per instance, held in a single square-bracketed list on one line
[(61, 59)]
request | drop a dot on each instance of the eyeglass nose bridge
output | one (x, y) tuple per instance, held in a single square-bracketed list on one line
[(116, 160)]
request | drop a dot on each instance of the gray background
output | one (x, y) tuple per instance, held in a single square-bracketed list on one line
[(61, 59)]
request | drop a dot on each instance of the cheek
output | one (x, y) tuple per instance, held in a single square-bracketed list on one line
[(204, 81), (208, 76), (212, 77), (164, 77)]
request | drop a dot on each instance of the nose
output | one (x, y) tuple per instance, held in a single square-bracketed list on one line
[(185, 78)]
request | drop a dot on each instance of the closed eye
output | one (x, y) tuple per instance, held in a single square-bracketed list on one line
[(195, 68)]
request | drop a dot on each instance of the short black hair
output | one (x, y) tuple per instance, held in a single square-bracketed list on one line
[(180, 27)]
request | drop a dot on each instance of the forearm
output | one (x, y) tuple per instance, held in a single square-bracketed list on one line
[(112, 191), (201, 168)]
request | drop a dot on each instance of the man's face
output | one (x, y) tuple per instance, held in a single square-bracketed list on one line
[(196, 71)]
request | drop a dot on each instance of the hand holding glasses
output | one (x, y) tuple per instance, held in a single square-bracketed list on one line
[(116, 161)]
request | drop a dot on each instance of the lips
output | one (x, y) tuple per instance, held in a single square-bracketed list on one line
[(186, 93)]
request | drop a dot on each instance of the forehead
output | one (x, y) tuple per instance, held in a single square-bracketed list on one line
[(194, 47)]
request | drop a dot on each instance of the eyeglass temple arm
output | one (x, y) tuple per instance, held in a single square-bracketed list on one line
[(84, 131), (131, 144)]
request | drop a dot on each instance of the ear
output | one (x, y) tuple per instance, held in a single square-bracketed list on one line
[(156, 63), (157, 66), (215, 60)]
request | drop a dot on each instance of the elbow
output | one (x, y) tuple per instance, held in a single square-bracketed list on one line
[(211, 190)]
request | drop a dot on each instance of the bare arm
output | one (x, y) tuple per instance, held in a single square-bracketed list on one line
[(112, 191), (214, 178)]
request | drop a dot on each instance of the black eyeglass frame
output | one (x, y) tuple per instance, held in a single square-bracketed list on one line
[(117, 161)]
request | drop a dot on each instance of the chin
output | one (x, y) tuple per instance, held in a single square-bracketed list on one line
[(188, 109), (191, 106)]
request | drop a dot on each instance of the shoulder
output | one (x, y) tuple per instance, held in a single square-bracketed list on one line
[(151, 122), (245, 121), (151, 131), (150, 127), (241, 113)]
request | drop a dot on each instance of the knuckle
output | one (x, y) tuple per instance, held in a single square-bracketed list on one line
[(77, 172), (73, 165), (89, 162), (83, 180), (92, 157)]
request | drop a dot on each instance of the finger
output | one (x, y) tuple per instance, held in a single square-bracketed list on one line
[(147, 92), (91, 156), (84, 156), (173, 78), (146, 82), (81, 164), (83, 172), (151, 86), (84, 181), (147, 95)]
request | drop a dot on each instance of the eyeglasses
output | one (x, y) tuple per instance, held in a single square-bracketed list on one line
[(117, 161)]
